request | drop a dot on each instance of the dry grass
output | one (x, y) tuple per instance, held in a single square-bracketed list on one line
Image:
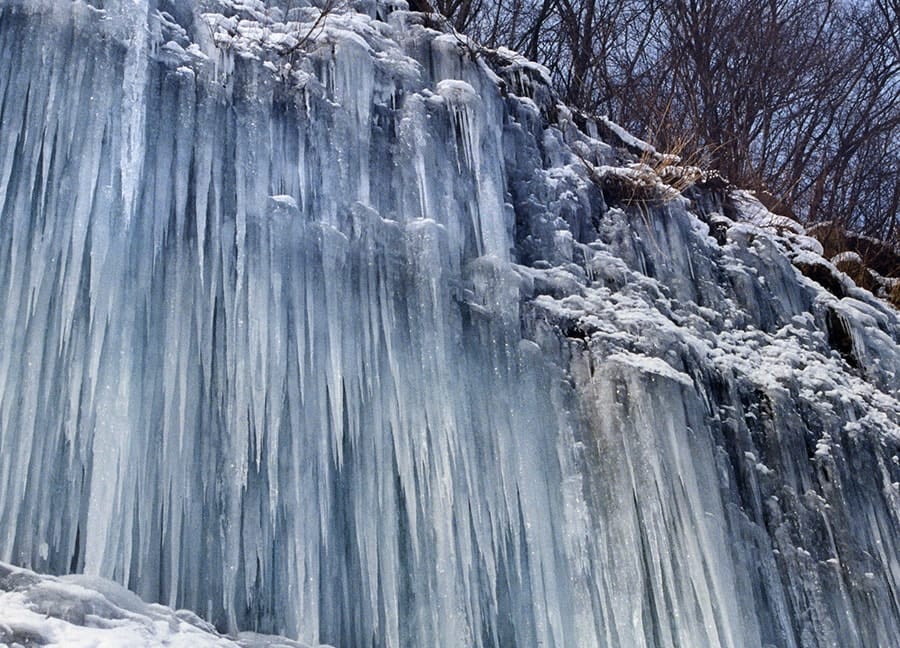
[(679, 168), (877, 270), (894, 297)]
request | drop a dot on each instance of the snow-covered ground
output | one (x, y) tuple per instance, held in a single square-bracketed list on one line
[(80, 611)]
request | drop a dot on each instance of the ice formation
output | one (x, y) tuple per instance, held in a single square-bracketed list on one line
[(343, 329)]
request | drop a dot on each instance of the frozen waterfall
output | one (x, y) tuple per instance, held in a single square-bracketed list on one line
[(345, 330)]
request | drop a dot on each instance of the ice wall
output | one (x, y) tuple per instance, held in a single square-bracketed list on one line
[(343, 329)]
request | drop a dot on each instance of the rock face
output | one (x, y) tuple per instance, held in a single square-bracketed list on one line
[(343, 329)]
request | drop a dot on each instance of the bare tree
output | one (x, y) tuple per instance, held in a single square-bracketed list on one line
[(797, 97)]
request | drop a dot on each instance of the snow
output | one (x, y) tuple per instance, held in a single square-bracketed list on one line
[(456, 92), (627, 139), (650, 366), (82, 611), (527, 79), (326, 328)]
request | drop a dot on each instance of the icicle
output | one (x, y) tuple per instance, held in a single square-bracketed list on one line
[(361, 370)]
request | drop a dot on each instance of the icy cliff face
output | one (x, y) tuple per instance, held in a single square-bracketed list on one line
[(342, 329)]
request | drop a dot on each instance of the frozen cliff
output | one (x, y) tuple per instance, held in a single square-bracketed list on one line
[(343, 329)]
